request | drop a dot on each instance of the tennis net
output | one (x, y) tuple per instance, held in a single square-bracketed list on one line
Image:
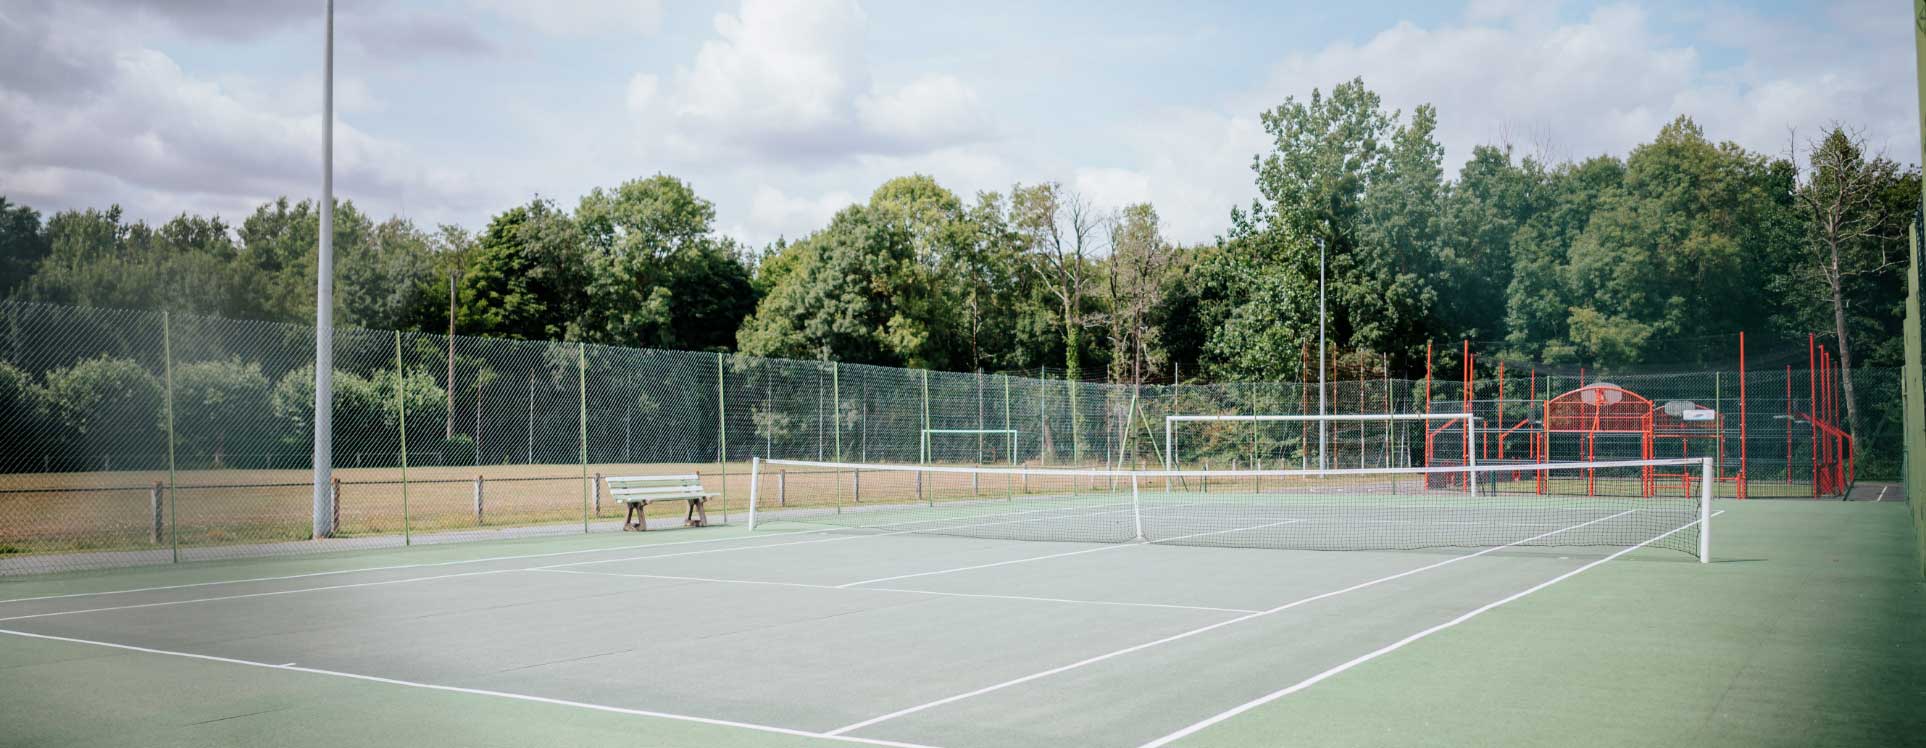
[(1663, 503)]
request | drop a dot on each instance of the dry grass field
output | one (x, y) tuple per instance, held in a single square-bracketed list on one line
[(64, 512)]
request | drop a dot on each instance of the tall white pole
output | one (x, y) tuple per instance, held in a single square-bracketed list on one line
[(324, 304), (1323, 429)]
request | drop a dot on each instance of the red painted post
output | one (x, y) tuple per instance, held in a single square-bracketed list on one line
[(1812, 412)]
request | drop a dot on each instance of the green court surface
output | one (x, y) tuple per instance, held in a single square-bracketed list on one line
[(1809, 628)]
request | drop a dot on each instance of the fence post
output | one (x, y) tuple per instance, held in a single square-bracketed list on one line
[(782, 488), (722, 437), (598, 494), (401, 409), (581, 402), (173, 497), (154, 504), (478, 500), (856, 486), (334, 503)]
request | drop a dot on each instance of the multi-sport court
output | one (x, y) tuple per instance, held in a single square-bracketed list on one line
[(973, 607)]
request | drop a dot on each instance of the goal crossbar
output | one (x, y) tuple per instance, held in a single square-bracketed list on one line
[(925, 445), (1171, 421)]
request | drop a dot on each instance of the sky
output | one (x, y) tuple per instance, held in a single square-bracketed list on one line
[(782, 113)]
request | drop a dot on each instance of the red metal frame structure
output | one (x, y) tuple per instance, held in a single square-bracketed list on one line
[(1596, 409), (1668, 426)]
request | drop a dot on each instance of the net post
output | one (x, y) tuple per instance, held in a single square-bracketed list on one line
[(755, 488), (1136, 507), (1471, 453), (1705, 511)]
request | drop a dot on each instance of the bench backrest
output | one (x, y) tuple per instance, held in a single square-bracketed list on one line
[(654, 487)]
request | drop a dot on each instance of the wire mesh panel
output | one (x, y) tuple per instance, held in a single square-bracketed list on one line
[(439, 437), (1616, 504)]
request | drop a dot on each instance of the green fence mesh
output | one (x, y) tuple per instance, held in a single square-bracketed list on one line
[(138, 437)]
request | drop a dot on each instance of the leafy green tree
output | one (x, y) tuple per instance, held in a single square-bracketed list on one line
[(281, 242), (382, 281), (1682, 248), (660, 276), (853, 292), (526, 276), (220, 407), (23, 244), (97, 259)]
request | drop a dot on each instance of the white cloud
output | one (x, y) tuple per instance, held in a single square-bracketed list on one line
[(159, 140), (1508, 72), (788, 83), (771, 208), (931, 110), (582, 18)]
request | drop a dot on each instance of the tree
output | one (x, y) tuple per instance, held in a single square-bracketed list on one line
[(1134, 280), (660, 276), (280, 243), (22, 245), (97, 259), (1061, 233), (526, 277), (1850, 234), (853, 291), (382, 282)]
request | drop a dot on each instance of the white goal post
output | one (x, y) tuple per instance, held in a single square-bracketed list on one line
[(1471, 428), (925, 442)]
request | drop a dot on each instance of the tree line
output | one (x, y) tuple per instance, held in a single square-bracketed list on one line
[(1612, 260)]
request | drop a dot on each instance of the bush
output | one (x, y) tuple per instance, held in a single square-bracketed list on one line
[(109, 414), (23, 415), (221, 408)]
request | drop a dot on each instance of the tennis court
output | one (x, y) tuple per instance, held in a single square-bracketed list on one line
[(944, 629)]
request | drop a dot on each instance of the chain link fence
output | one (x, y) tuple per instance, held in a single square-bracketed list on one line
[(142, 437)]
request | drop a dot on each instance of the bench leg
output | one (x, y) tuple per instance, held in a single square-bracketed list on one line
[(699, 517), (636, 519)]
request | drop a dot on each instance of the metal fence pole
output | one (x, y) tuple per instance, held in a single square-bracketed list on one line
[(478, 501), (173, 493), (836, 406), (581, 400), (401, 408), (722, 438)]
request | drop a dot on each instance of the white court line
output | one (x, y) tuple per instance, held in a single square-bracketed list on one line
[(1061, 555), (1882, 493), (1202, 629), (426, 565), (935, 593), (166, 603), (476, 691), (1399, 644)]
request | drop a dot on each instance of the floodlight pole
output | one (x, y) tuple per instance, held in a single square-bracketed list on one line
[(324, 304), (1323, 428)]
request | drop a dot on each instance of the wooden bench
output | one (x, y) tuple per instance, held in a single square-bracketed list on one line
[(638, 491)]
